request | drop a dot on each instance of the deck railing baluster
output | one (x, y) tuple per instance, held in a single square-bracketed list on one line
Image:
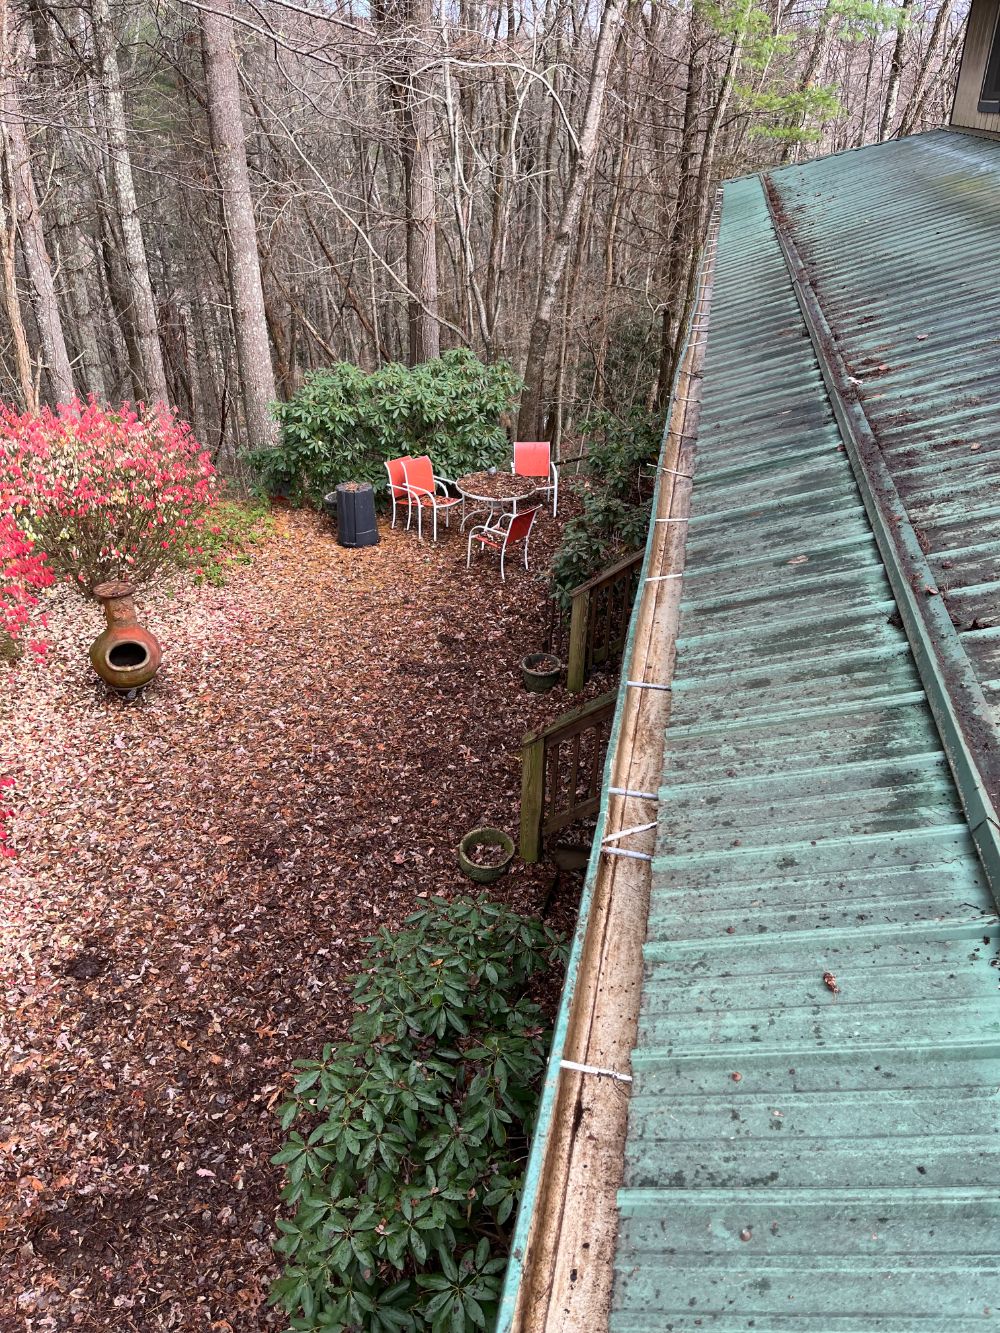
[(553, 795)]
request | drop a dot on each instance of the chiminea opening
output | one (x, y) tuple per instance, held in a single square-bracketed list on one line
[(124, 655)]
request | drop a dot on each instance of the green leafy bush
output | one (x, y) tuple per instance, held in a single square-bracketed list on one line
[(344, 423), (406, 1168), (228, 539), (616, 507)]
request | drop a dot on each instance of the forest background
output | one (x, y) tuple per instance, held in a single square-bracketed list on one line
[(204, 200)]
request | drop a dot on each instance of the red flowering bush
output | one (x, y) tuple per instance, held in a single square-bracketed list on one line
[(105, 493), (6, 850), (23, 573)]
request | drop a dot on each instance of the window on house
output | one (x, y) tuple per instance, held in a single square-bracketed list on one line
[(989, 100)]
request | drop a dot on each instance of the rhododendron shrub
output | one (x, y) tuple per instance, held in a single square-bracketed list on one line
[(106, 493)]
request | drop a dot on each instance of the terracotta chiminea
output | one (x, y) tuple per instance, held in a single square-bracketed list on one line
[(124, 655)]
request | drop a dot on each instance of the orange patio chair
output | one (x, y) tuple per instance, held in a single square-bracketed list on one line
[(507, 530), (533, 458), (399, 492), (427, 492)]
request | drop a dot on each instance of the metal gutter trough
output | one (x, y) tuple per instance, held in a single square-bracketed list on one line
[(561, 1265)]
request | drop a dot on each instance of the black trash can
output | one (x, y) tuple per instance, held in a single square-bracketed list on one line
[(355, 504)]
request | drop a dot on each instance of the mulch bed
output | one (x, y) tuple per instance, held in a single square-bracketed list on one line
[(196, 872)]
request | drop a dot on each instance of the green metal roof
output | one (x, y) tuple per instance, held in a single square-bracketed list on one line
[(801, 1157), (903, 244)]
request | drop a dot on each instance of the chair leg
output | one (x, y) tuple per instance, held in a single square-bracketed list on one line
[(468, 552), (503, 552)]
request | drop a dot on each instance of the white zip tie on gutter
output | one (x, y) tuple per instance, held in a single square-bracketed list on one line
[(627, 832), (648, 685), (662, 578), (672, 520), (687, 476), (623, 851), (638, 795), (595, 1069)]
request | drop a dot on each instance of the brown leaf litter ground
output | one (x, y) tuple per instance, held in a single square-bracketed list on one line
[(196, 872)]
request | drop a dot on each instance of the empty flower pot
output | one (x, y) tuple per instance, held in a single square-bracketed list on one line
[(124, 655), (485, 854), (540, 672)]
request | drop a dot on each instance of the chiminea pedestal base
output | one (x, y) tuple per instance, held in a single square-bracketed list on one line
[(124, 655)]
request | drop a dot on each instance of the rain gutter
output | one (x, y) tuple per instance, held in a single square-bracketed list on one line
[(510, 1317), (955, 695)]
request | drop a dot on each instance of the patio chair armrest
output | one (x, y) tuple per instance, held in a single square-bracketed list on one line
[(492, 526), (443, 482)]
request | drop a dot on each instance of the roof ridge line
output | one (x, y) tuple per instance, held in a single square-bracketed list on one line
[(953, 691)]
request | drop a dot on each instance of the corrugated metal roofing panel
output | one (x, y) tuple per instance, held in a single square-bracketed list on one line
[(903, 244), (813, 1130)]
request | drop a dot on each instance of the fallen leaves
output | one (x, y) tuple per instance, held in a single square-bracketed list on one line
[(195, 874)]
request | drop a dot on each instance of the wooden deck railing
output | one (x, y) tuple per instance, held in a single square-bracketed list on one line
[(599, 616), (561, 770)]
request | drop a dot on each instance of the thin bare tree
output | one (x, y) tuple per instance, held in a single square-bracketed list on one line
[(557, 253), (26, 214), (253, 347), (142, 312)]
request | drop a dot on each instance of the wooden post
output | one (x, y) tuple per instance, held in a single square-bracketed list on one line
[(532, 796), (576, 665)]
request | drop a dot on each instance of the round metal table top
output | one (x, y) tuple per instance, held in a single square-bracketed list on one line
[(496, 488)]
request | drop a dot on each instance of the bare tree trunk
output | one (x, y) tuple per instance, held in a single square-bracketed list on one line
[(421, 204), (117, 279), (528, 421), (17, 155), (599, 386), (75, 255), (824, 36), (682, 233), (154, 382), (409, 34), (12, 298), (253, 348), (915, 106), (895, 72), (569, 298), (461, 196), (687, 275), (504, 173), (69, 242)]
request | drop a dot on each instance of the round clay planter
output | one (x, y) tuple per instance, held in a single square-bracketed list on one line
[(540, 671), (484, 837), (124, 655)]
